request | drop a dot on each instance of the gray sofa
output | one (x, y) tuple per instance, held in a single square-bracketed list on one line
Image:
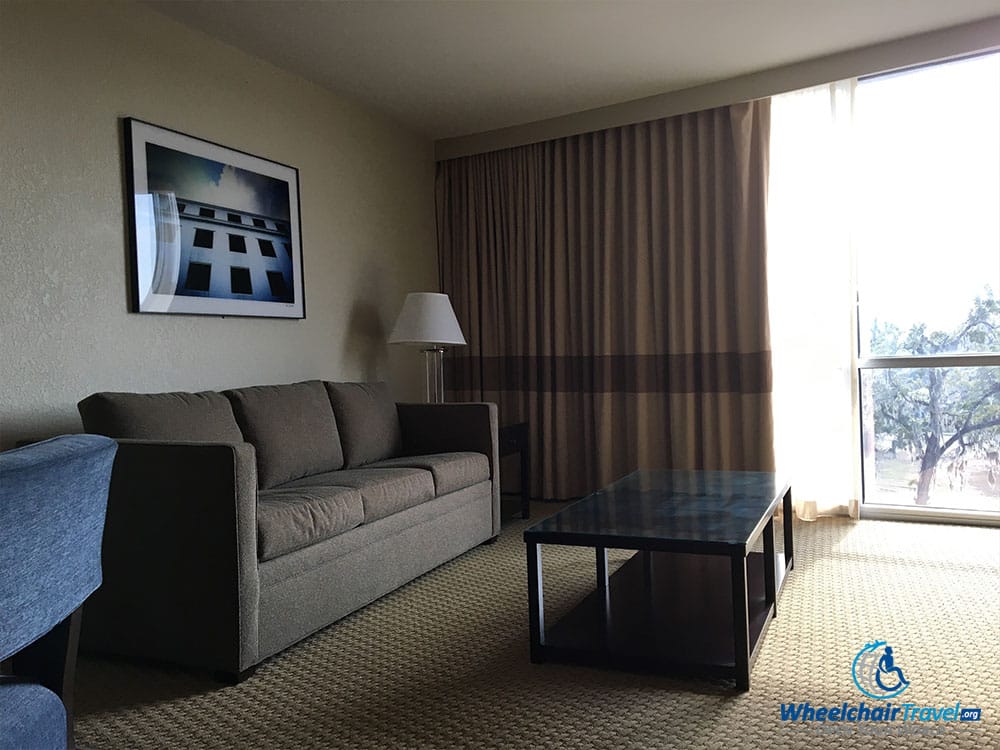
[(240, 522)]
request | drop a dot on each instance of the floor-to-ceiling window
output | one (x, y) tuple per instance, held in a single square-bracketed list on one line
[(926, 235), (884, 281)]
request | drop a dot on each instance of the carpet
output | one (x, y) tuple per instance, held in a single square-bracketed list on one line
[(443, 662)]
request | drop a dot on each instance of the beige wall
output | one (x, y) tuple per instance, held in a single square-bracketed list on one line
[(68, 73)]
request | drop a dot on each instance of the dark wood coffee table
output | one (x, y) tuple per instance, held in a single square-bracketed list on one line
[(696, 599)]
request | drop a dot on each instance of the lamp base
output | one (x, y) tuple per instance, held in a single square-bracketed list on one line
[(434, 361)]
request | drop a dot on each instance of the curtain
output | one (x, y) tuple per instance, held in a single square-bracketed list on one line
[(611, 286), (813, 325)]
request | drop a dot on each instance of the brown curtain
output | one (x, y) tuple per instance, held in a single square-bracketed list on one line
[(612, 289)]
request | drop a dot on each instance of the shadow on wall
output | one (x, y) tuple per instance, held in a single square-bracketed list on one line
[(365, 342), (30, 425)]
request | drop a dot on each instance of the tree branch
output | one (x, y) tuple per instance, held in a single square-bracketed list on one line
[(972, 409), (966, 430), (952, 340), (956, 338)]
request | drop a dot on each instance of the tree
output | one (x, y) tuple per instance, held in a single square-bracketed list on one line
[(931, 410)]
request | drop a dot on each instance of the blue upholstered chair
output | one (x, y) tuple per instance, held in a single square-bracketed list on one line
[(53, 496)]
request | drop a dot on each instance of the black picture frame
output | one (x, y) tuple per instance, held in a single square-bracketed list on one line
[(213, 230)]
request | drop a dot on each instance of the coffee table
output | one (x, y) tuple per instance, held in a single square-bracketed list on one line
[(696, 599)]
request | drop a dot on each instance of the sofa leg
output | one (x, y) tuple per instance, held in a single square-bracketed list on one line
[(234, 678)]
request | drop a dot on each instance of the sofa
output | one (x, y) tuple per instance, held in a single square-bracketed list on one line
[(241, 521)]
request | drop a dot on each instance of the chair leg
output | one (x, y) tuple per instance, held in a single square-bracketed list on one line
[(51, 661)]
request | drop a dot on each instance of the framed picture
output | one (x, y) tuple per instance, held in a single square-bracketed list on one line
[(215, 231)]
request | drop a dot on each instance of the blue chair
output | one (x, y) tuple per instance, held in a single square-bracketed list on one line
[(53, 497)]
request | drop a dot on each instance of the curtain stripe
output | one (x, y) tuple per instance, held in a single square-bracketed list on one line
[(716, 372)]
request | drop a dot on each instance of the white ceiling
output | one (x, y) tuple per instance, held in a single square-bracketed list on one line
[(449, 68)]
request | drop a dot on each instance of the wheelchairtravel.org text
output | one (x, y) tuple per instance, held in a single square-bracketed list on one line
[(887, 713)]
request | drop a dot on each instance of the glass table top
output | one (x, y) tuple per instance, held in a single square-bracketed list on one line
[(722, 507)]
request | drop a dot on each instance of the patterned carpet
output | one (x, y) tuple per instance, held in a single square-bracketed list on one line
[(442, 663)]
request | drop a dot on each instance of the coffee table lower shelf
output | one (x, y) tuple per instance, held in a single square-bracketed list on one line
[(666, 613)]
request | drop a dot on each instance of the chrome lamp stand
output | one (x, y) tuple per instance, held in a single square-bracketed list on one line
[(434, 361)]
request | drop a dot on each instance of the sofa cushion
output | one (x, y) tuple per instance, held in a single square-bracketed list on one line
[(451, 471), (292, 518), (291, 426), (196, 417), (369, 424), (383, 491)]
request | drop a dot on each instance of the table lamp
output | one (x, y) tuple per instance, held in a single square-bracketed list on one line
[(427, 318)]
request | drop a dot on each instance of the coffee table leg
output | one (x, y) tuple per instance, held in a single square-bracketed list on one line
[(525, 479), (602, 588), (536, 603), (741, 625), (786, 511), (769, 561)]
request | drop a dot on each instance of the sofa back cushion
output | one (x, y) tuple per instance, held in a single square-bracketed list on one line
[(292, 428), (369, 424), (197, 417)]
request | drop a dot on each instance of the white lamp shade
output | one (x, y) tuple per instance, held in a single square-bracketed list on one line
[(427, 318)]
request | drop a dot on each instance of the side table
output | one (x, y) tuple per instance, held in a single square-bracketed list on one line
[(514, 439)]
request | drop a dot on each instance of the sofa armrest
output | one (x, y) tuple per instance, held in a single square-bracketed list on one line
[(179, 556), (441, 428)]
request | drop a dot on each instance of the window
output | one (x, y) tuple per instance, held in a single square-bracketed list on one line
[(237, 243), (204, 238), (267, 248), (234, 218), (198, 277), (239, 279), (884, 290), (260, 223), (927, 239), (276, 280), (206, 213)]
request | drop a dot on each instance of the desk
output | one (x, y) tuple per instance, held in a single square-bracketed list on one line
[(514, 439)]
